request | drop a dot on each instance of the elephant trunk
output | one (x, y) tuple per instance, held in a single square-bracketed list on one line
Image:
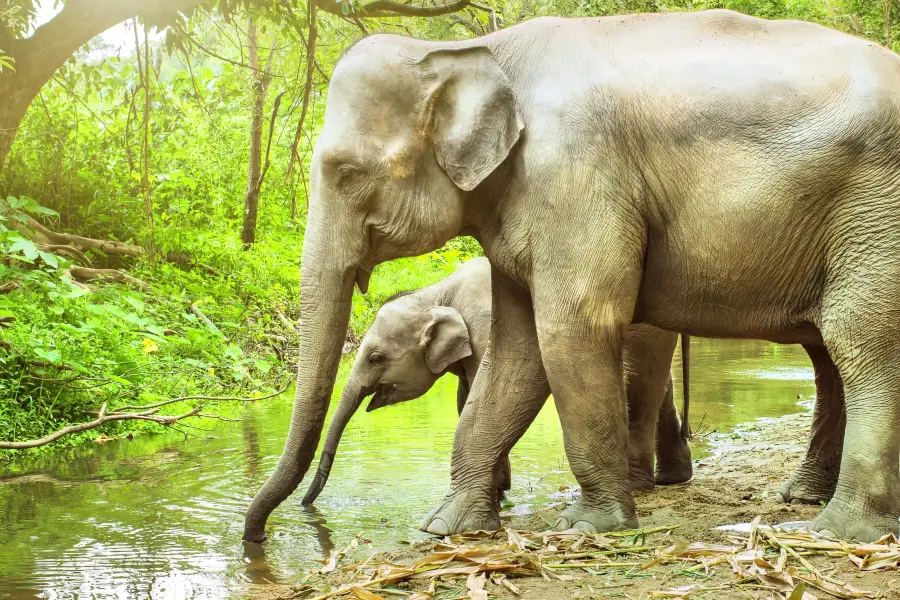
[(351, 399), (325, 296)]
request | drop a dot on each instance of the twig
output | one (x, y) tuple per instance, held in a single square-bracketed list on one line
[(219, 417), (195, 310), (487, 9), (9, 286), (206, 399)]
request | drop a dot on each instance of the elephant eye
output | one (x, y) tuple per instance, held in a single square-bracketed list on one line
[(347, 178), (377, 358)]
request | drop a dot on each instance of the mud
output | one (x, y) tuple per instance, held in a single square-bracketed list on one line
[(734, 485)]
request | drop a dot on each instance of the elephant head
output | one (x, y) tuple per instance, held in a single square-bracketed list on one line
[(406, 350), (411, 129)]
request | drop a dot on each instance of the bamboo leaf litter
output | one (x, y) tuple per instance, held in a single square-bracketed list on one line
[(763, 558)]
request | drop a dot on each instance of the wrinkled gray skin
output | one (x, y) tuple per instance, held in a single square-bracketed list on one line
[(419, 336), (707, 173)]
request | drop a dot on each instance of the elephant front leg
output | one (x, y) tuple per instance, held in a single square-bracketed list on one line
[(503, 470), (507, 394), (590, 399), (815, 479)]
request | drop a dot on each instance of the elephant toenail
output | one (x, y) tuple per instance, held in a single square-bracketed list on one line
[(438, 527)]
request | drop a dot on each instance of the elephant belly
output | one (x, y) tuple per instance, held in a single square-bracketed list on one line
[(745, 280)]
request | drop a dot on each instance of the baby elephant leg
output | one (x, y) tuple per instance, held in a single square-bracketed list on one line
[(647, 357)]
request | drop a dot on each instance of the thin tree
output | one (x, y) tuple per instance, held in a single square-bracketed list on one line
[(260, 88)]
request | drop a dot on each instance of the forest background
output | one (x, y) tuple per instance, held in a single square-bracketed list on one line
[(154, 187)]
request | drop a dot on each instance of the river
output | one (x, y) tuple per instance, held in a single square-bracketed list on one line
[(161, 516)]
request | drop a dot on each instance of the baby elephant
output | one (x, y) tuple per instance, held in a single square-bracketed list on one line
[(419, 336)]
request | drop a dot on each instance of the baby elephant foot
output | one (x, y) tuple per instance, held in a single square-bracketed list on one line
[(676, 467), (843, 521), (809, 484), (469, 510), (593, 520)]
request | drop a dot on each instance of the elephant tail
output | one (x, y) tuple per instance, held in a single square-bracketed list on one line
[(686, 385)]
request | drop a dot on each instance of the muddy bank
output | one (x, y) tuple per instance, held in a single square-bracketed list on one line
[(734, 485)]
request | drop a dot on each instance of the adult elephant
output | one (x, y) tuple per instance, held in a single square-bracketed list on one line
[(418, 336), (707, 173)]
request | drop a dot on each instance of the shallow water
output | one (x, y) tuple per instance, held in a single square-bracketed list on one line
[(161, 517)]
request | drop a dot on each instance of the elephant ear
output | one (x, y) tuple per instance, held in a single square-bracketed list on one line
[(445, 339), (471, 113)]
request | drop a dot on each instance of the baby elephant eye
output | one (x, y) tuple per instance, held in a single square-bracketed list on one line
[(377, 358)]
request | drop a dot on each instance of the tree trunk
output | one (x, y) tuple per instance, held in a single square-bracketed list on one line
[(886, 14), (39, 56), (254, 173)]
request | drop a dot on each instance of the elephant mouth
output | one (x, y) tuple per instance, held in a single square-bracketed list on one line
[(385, 395)]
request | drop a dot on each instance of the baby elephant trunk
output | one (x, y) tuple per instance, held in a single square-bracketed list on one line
[(351, 399)]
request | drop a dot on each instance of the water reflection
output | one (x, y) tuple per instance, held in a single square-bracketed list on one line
[(162, 517)]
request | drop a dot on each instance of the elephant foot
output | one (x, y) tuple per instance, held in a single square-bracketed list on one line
[(676, 467), (469, 510), (641, 479), (811, 483), (843, 521), (593, 520)]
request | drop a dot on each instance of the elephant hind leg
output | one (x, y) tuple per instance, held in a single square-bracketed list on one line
[(673, 453), (861, 309), (815, 479)]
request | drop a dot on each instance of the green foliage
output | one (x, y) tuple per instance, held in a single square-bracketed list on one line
[(71, 349)]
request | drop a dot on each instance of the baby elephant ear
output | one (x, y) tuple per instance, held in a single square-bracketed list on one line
[(445, 339), (471, 113)]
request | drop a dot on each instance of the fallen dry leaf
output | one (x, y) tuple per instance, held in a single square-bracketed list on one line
[(475, 585), (364, 594)]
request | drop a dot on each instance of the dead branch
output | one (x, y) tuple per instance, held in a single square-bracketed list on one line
[(195, 310), (390, 8), (6, 322), (86, 274), (204, 399), (145, 413), (100, 420), (8, 287)]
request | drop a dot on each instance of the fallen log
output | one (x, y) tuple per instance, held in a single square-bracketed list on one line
[(41, 235)]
